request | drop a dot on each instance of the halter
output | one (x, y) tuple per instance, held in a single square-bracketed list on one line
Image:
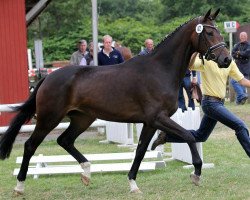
[(209, 55)]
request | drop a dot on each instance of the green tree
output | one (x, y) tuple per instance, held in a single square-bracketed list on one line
[(142, 10), (230, 9), (64, 22), (62, 16)]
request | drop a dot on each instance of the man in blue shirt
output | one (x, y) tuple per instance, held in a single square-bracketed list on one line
[(187, 85), (109, 55)]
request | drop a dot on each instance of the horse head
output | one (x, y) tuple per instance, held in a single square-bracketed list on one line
[(208, 41)]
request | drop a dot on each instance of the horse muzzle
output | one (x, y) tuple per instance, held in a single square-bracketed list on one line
[(224, 62)]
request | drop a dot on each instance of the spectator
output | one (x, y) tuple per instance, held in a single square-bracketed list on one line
[(118, 44), (125, 51), (214, 82), (149, 46), (82, 52), (241, 54), (109, 55), (90, 58), (83, 62), (186, 84)]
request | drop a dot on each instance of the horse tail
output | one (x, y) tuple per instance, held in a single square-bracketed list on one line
[(25, 113)]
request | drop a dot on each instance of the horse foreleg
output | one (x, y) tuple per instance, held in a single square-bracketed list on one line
[(145, 138), (79, 123)]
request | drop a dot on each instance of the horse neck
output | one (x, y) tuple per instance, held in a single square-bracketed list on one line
[(175, 52)]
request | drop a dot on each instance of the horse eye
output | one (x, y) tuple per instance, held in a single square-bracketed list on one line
[(210, 33)]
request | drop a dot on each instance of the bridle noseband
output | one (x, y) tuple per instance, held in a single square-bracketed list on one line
[(209, 55)]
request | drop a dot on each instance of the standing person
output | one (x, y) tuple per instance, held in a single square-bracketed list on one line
[(90, 58), (187, 85), (125, 51), (83, 61), (109, 55), (118, 44), (81, 53), (214, 82), (149, 46), (241, 54)]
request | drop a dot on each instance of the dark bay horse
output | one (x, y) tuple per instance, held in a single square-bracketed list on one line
[(143, 89)]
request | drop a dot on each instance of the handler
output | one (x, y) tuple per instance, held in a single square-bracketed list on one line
[(214, 81)]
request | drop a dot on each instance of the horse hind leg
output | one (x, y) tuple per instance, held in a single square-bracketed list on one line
[(197, 162), (145, 138), (79, 123), (42, 129)]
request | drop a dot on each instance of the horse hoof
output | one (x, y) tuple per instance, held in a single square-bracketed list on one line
[(195, 179), (85, 180), (136, 191), (17, 193)]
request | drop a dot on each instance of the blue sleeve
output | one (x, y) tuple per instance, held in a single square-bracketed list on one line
[(193, 73)]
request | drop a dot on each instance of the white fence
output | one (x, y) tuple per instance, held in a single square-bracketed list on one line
[(123, 132), (189, 119), (7, 107), (66, 164), (120, 133), (30, 128)]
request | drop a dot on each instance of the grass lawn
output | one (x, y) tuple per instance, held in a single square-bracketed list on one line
[(229, 180)]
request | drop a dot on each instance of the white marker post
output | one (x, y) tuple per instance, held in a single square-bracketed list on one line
[(231, 27)]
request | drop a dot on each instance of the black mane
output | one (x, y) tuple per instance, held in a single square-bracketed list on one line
[(169, 36)]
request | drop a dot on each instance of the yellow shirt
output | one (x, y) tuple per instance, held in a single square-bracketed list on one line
[(213, 78)]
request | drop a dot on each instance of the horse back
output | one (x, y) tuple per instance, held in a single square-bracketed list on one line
[(115, 93)]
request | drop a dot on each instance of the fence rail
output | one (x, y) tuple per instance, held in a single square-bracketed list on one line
[(123, 132), (8, 107)]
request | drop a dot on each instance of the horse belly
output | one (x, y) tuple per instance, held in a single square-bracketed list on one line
[(113, 110)]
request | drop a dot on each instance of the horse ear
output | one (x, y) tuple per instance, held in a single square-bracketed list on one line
[(207, 15), (214, 15)]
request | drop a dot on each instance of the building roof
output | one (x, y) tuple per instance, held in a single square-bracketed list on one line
[(33, 9)]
